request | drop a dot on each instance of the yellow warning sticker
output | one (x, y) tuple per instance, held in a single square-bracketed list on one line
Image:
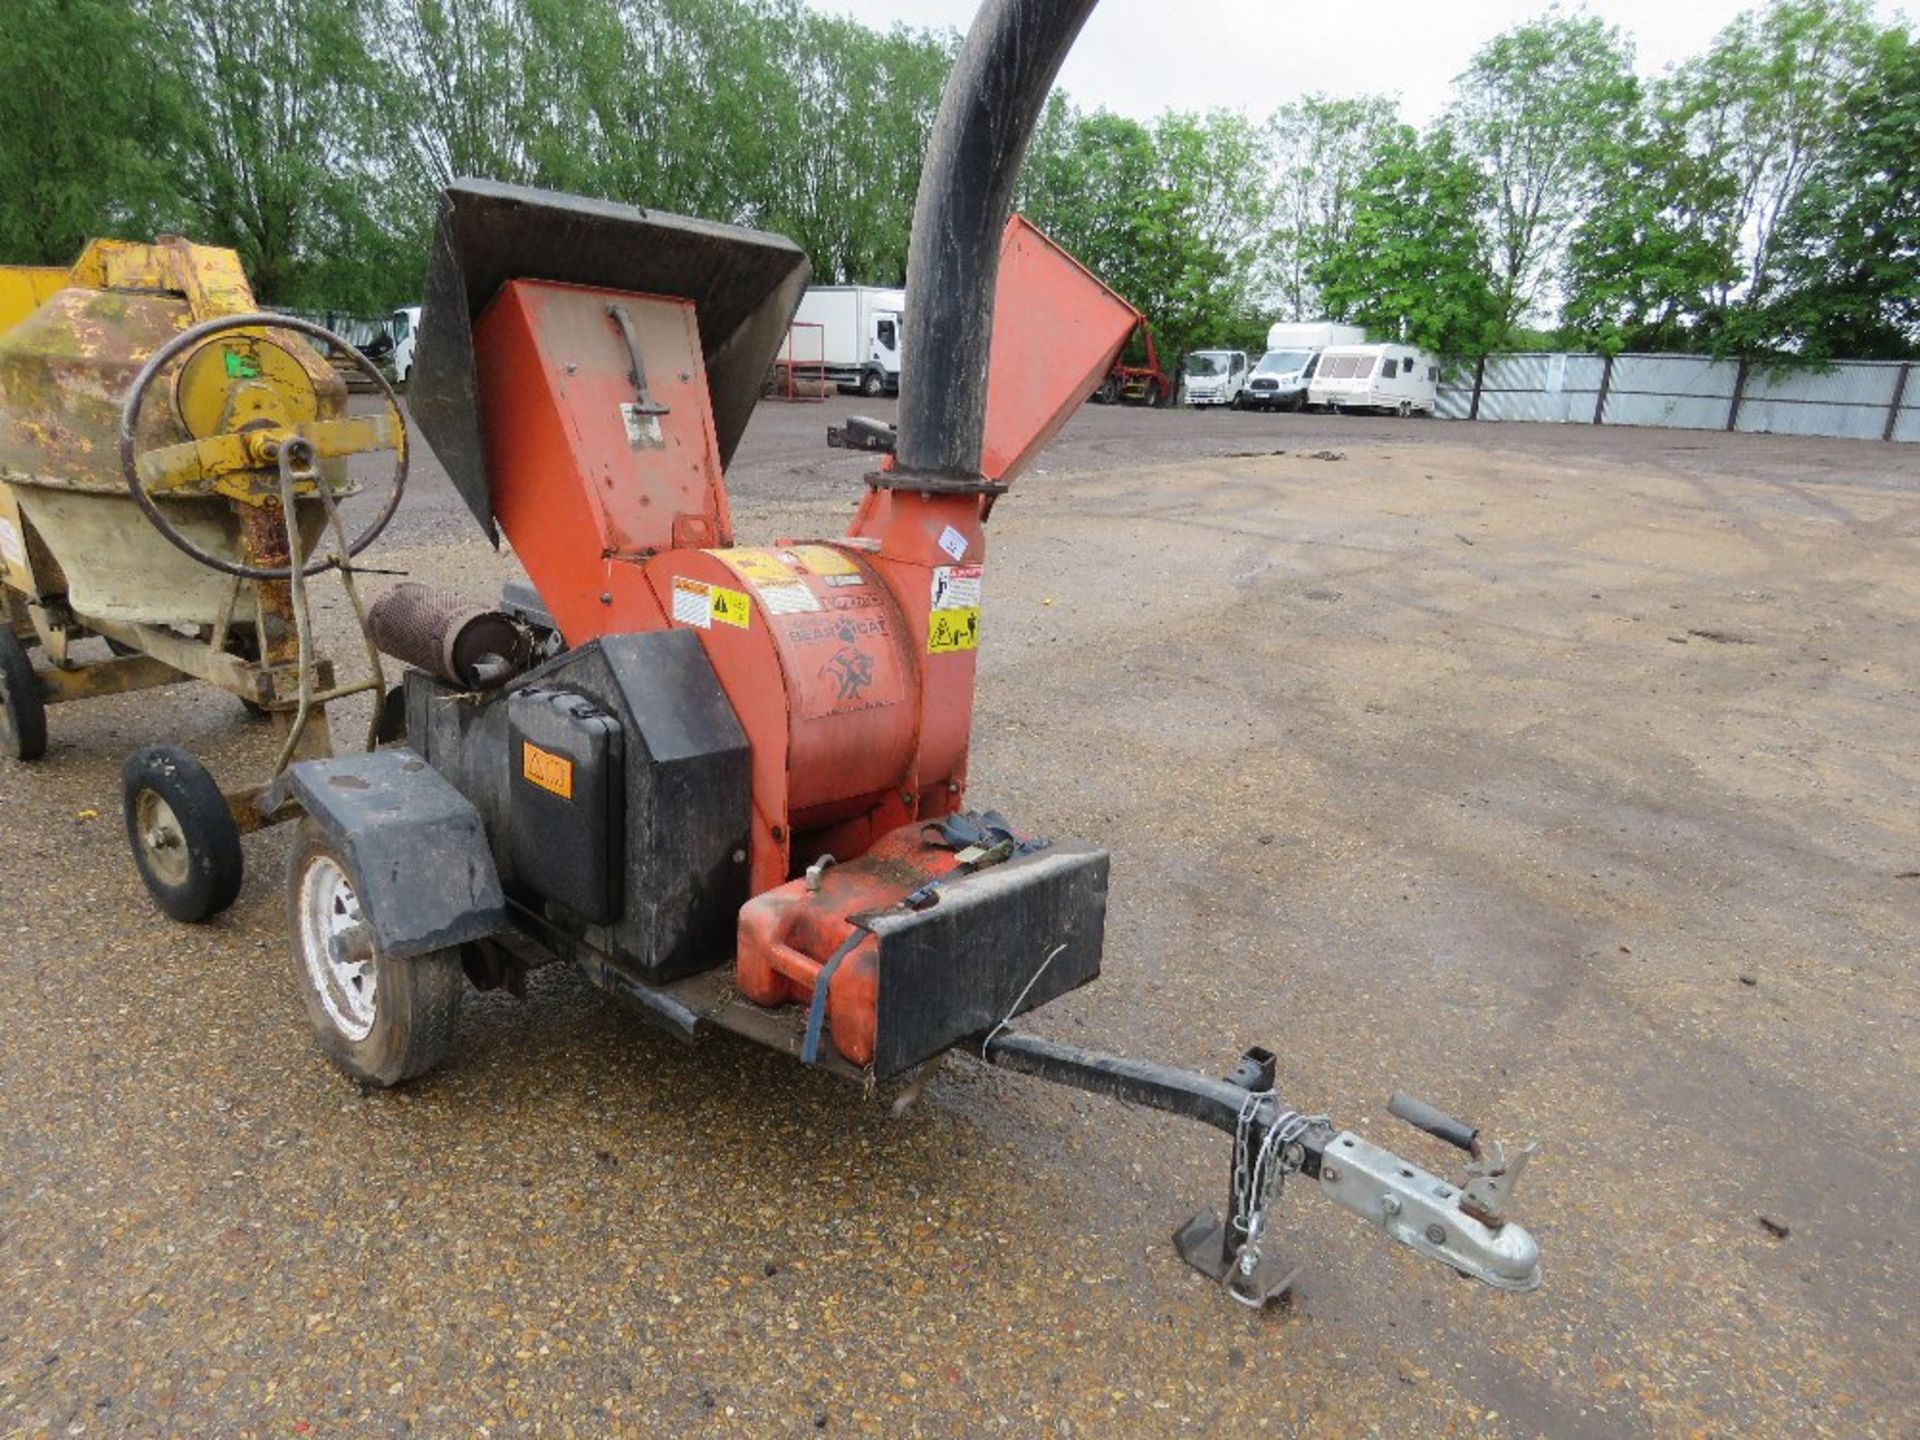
[(757, 567), (730, 607), (549, 771), (702, 605), (950, 630), (824, 560)]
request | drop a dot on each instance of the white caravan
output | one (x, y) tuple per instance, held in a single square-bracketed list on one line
[(1280, 380), (853, 332), (1215, 377), (1395, 379)]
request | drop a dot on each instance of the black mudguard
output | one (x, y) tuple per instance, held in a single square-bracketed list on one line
[(427, 878)]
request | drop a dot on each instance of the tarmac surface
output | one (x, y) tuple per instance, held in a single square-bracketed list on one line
[(1563, 777)]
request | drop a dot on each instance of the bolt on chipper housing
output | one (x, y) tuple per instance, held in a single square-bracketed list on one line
[(735, 793)]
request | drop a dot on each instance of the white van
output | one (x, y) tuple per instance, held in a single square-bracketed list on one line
[(1392, 379), (1280, 380), (1215, 377)]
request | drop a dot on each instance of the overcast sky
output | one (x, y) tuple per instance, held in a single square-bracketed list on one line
[(1143, 56)]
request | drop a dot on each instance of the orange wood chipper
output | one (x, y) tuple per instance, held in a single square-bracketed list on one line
[(736, 791)]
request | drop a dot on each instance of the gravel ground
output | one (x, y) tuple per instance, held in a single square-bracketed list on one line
[(1564, 777)]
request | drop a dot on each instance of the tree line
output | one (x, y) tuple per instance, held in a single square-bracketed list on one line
[(1759, 199)]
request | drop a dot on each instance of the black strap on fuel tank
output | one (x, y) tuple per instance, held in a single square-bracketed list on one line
[(817, 1011)]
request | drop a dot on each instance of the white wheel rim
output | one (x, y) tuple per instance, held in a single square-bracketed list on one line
[(162, 839), (337, 948)]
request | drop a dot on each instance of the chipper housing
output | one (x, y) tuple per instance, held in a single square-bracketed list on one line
[(736, 793)]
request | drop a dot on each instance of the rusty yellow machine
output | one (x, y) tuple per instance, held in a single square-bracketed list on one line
[(171, 465)]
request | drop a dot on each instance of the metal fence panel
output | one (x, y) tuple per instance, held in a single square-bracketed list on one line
[(1849, 401), (1907, 427), (1691, 392)]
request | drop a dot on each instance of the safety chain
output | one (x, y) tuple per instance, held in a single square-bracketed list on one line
[(1258, 1177)]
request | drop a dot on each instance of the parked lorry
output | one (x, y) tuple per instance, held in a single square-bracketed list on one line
[(404, 328), (1215, 377), (855, 331), (1136, 377), (1390, 379), (1281, 379)]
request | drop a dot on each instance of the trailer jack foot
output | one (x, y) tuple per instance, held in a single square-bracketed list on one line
[(1202, 1243)]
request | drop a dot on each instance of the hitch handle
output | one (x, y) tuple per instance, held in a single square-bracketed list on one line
[(1437, 1123)]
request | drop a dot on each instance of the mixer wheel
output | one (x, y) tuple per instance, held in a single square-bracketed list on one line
[(184, 839), (23, 714)]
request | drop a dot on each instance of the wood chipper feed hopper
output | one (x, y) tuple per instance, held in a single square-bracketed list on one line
[(737, 796), (170, 463)]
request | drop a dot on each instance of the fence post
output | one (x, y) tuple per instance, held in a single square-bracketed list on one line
[(1899, 400), (1479, 380), (1606, 384), (1739, 394)]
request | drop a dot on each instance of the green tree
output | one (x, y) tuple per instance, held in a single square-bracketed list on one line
[(1647, 265), (1413, 266), (1319, 147), (1849, 268), (83, 121), (1538, 108), (1169, 214), (268, 156), (1764, 104)]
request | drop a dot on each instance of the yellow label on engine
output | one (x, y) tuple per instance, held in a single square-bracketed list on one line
[(950, 630), (550, 772)]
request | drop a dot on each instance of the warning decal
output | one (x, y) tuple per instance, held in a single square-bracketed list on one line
[(551, 772), (692, 603), (794, 599), (824, 560), (699, 604), (956, 587), (730, 607), (951, 630), (758, 567)]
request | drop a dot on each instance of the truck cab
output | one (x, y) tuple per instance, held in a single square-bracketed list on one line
[(404, 326), (1215, 377), (881, 373)]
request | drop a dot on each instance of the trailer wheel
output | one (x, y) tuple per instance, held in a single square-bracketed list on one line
[(184, 840), (379, 1019), (23, 714)]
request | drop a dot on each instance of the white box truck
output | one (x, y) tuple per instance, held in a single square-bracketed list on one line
[(404, 326), (1281, 378), (855, 332), (1392, 379), (1214, 377)]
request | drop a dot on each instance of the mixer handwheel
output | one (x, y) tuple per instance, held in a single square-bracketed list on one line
[(329, 438), (23, 714)]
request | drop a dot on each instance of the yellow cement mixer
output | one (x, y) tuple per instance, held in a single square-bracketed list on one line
[(171, 465)]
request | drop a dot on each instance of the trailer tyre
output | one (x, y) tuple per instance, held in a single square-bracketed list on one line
[(185, 843), (23, 714), (379, 1019)]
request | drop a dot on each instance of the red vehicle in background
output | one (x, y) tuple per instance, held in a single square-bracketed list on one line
[(1132, 383)]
